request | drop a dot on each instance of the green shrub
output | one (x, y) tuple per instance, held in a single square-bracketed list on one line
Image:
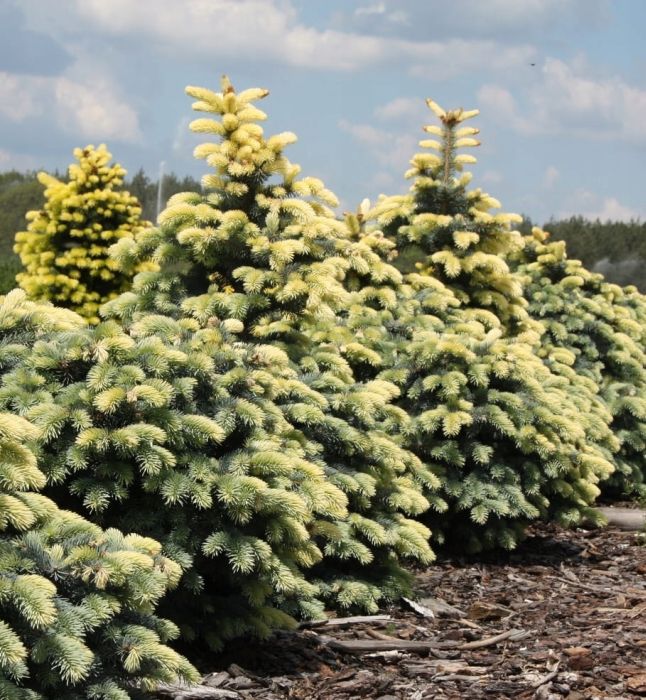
[(172, 430), (76, 603), (261, 249), (597, 326)]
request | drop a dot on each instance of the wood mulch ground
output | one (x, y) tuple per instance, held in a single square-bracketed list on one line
[(563, 616)]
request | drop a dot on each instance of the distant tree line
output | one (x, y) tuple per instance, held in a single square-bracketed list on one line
[(21, 192), (617, 249), (147, 190)]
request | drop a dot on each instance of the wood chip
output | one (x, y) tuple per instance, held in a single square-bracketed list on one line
[(195, 692), (441, 608), (637, 684), (420, 609)]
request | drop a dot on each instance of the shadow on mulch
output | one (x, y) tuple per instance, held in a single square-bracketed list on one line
[(546, 545), (540, 548), (550, 546), (276, 657)]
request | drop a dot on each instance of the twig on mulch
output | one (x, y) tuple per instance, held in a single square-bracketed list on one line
[(600, 589), (460, 677), (195, 692), (548, 677), (347, 621), (360, 646), (511, 635), (420, 609)]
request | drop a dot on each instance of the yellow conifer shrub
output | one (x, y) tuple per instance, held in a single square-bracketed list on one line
[(65, 248)]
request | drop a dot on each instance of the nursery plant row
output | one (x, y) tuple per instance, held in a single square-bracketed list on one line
[(257, 410)]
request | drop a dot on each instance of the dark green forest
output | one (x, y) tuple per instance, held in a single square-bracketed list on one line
[(616, 249)]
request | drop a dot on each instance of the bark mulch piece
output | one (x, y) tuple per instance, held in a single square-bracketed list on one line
[(562, 616)]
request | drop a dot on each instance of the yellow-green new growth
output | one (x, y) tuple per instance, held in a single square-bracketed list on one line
[(64, 250), (506, 441), (452, 140), (450, 232), (243, 154)]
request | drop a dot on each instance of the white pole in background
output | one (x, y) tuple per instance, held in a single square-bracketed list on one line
[(162, 163)]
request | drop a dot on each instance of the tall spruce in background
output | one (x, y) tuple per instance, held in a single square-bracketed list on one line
[(64, 250), (596, 328), (497, 425), (263, 248), (448, 231), (76, 604)]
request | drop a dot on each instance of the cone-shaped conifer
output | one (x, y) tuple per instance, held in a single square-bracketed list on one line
[(504, 436), (595, 328), (263, 248), (444, 229), (64, 250), (76, 604)]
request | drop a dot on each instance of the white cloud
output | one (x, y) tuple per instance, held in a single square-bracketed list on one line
[(584, 203), (499, 19), (441, 60), (492, 177), (268, 30), (500, 102), (95, 111), (397, 17), (390, 154), (567, 101), (382, 180), (92, 109), (253, 28), (16, 99), (551, 176), (504, 15), (378, 9), (181, 142), (409, 108), (612, 209), (18, 161), (392, 150)]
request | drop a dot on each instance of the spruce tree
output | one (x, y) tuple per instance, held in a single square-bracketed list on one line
[(76, 603), (596, 327), (497, 424), (448, 231), (64, 250), (385, 308), (263, 249), (172, 430)]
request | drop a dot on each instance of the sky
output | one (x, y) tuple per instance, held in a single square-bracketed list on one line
[(560, 85)]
